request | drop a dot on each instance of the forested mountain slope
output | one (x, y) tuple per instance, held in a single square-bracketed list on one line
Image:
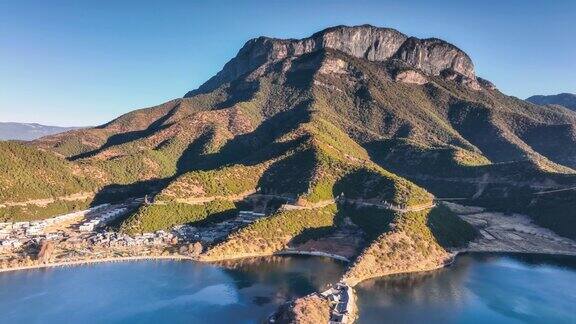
[(364, 111)]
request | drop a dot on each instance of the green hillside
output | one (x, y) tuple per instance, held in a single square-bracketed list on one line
[(151, 218), (27, 173)]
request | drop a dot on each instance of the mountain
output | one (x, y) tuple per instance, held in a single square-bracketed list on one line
[(28, 131), (351, 115), (567, 100)]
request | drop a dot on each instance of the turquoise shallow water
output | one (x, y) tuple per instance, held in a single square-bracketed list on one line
[(478, 288), (161, 291)]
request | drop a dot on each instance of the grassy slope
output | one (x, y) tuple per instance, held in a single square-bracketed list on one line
[(28, 173), (151, 218), (273, 233), (317, 163), (34, 212), (343, 166), (442, 113), (225, 181), (509, 187), (413, 241)]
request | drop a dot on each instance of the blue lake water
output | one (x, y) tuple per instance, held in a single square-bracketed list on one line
[(478, 288), (247, 291)]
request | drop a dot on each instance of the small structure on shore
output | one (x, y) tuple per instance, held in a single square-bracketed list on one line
[(341, 297), (102, 220)]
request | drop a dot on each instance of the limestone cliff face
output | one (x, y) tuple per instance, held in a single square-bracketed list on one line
[(367, 42), (431, 56)]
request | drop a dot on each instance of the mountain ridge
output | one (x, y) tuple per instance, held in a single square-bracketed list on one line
[(29, 131), (565, 99), (431, 55)]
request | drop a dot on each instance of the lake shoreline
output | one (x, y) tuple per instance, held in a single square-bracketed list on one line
[(102, 260), (281, 253), (89, 261)]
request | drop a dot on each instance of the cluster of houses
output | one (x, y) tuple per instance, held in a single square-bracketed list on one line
[(214, 232), (102, 219), (10, 234), (147, 239), (14, 235), (205, 234), (341, 298)]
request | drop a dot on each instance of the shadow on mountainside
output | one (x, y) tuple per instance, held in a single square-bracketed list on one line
[(259, 145), (433, 169), (314, 233), (115, 193), (365, 184), (247, 149), (238, 91), (449, 230), (187, 162), (289, 176), (123, 138), (194, 155)]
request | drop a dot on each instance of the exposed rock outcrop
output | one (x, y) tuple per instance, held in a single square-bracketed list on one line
[(411, 76), (486, 84), (451, 75), (432, 56)]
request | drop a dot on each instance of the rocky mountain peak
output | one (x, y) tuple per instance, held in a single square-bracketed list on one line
[(432, 56)]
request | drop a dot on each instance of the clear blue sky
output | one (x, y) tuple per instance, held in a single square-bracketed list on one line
[(86, 62)]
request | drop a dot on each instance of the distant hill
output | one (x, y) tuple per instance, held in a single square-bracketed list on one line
[(567, 100), (28, 131)]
